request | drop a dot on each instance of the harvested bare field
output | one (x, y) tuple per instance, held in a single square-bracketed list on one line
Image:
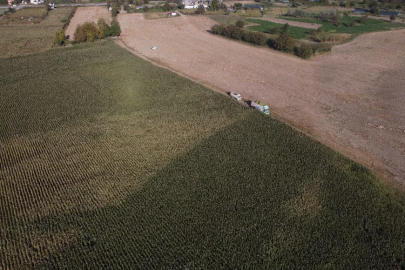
[(87, 14), (352, 99), (292, 23)]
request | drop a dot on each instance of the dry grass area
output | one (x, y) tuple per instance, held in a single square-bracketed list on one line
[(352, 99), (87, 14)]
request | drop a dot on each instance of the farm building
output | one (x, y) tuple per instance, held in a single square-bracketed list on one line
[(190, 4), (249, 6), (382, 12)]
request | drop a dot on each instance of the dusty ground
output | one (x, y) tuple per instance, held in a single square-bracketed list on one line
[(352, 99), (292, 23), (87, 14)]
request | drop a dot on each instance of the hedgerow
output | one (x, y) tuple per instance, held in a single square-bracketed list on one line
[(234, 32), (89, 31), (284, 42)]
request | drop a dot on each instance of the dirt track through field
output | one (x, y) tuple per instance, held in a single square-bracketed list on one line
[(352, 99)]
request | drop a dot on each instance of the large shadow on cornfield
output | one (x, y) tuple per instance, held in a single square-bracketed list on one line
[(246, 197)]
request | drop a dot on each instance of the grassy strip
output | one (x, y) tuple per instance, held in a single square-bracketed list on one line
[(370, 25), (108, 160), (266, 26)]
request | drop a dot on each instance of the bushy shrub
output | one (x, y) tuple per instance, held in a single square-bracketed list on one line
[(240, 24), (299, 13), (236, 33), (284, 43), (275, 30), (231, 31), (60, 37), (285, 28), (200, 9), (115, 10), (89, 31), (104, 29), (79, 35), (238, 6), (246, 36), (115, 28), (217, 29), (363, 19), (393, 17), (166, 7), (303, 51)]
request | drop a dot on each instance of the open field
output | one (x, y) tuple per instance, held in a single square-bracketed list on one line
[(351, 99), (22, 16), (87, 14), (32, 38), (109, 162)]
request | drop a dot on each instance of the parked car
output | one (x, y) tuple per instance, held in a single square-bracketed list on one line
[(235, 96)]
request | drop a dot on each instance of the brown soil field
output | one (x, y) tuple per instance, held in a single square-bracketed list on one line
[(352, 99), (87, 14)]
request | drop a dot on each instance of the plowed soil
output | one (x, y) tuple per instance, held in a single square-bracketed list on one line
[(352, 99), (87, 14)]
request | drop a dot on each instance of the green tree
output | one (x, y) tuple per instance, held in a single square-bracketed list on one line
[(240, 24), (215, 5), (284, 43), (200, 9), (103, 29), (238, 6), (374, 7), (115, 10), (303, 51), (115, 28), (285, 28), (59, 37), (90, 30), (166, 7), (79, 35)]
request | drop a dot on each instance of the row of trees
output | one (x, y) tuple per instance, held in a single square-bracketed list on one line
[(90, 31), (238, 33), (284, 42)]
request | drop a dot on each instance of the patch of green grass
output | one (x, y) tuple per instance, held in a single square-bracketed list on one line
[(222, 19), (266, 26), (150, 10), (107, 160), (32, 38), (370, 25)]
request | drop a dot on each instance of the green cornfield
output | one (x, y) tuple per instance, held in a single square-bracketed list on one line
[(108, 162)]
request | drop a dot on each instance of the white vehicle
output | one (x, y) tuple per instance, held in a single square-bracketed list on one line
[(235, 96), (260, 106)]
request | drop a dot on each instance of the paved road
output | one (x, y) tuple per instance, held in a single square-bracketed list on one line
[(59, 5)]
